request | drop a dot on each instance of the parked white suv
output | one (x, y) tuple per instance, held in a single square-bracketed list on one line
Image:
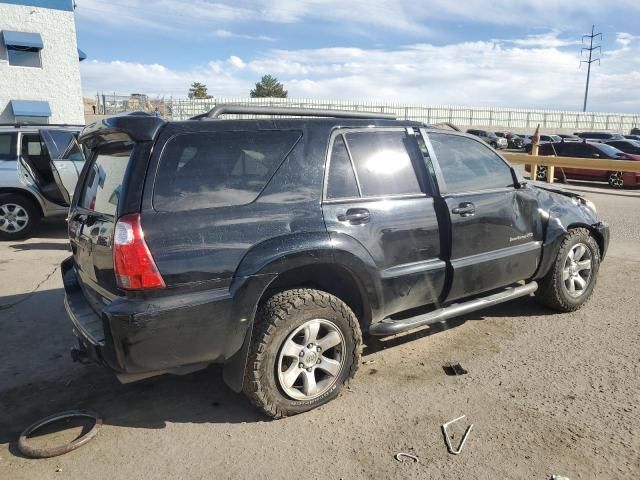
[(39, 167)]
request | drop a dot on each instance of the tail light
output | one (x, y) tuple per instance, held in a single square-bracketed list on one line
[(133, 264)]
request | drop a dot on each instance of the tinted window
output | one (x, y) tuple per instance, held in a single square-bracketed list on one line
[(382, 163), (7, 146), (217, 169), (103, 183), (607, 150), (468, 165), (24, 57), (577, 150), (341, 182)]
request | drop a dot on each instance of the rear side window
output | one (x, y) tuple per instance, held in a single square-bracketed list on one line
[(468, 165), (7, 146), (218, 169), (383, 164), (103, 184), (341, 182)]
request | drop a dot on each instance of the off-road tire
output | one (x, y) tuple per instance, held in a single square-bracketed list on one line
[(276, 319), (551, 291), (32, 210)]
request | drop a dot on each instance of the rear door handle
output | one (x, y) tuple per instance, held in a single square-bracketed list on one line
[(465, 209), (355, 216)]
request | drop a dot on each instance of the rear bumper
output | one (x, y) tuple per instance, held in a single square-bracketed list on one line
[(154, 335)]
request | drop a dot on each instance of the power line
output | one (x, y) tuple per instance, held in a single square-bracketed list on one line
[(591, 59)]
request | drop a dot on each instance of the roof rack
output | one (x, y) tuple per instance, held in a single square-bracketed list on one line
[(221, 109)]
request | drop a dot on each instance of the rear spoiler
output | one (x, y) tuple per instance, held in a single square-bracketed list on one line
[(137, 126)]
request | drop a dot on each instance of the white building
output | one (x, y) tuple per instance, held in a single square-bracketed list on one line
[(39, 63)]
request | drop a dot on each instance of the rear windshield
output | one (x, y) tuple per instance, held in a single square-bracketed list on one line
[(218, 169), (103, 183)]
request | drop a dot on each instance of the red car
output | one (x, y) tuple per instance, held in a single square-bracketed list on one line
[(588, 150)]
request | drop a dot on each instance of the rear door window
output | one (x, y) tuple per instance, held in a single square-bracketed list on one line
[(218, 169), (8, 146), (341, 182), (103, 181), (383, 164)]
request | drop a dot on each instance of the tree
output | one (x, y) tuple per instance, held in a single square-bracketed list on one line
[(268, 86), (198, 90)]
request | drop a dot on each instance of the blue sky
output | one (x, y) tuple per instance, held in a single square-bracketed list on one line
[(499, 53)]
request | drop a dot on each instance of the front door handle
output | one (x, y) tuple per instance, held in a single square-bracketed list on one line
[(465, 209), (355, 216)]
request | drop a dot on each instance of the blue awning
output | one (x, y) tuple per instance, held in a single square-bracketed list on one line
[(22, 39), (81, 55), (30, 108)]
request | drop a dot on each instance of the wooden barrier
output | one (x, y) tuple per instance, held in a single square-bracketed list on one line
[(551, 161)]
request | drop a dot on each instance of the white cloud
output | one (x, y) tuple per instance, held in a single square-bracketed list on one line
[(221, 33), (514, 73)]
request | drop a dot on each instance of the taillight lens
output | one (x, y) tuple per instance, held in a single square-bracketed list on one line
[(133, 264)]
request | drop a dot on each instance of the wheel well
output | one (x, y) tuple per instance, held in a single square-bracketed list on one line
[(332, 279), (594, 233), (23, 193)]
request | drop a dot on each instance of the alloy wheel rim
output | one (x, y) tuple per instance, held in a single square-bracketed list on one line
[(615, 179), (13, 218), (311, 359), (576, 272), (541, 174)]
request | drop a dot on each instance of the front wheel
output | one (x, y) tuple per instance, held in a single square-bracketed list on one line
[(615, 180), (572, 278), (18, 216), (305, 347)]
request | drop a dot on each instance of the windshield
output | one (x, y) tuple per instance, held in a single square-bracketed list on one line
[(609, 150), (492, 135)]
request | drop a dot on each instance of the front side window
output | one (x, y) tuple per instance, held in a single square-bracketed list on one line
[(468, 165), (219, 169), (103, 182), (8, 146), (24, 57), (383, 163)]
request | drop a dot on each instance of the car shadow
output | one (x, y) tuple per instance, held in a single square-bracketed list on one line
[(38, 378), (22, 247), (55, 227), (520, 307)]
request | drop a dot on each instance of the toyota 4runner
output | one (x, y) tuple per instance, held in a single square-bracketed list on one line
[(270, 245)]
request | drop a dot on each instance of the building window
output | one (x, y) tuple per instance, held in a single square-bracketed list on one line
[(24, 57)]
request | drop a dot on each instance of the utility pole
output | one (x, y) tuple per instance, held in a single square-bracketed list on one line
[(591, 59)]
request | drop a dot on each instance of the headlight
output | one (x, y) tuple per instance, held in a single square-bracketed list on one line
[(589, 204)]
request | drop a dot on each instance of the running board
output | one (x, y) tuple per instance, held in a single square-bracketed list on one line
[(391, 327)]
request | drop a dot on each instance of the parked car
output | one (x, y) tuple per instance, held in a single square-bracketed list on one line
[(513, 140), (29, 162), (526, 140), (599, 136), (490, 138), (569, 138), (626, 146), (635, 131), (592, 150), (550, 138), (271, 246)]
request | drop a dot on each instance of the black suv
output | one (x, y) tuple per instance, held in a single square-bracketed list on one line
[(271, 245)]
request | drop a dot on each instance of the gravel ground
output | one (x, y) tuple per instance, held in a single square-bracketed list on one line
[(547, 393)]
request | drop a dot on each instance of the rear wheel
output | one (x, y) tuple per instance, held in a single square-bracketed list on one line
[(572, 278), (18, 216), (615, 180), (306, 346)]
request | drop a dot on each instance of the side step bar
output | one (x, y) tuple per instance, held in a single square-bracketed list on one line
[(391, 327)]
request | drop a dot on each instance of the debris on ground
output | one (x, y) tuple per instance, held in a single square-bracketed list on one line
[(368, 362), (454, 369), (401, 456), (447, 439), (45, 452), (559, 477)]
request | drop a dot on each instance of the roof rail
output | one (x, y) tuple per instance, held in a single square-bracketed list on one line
[(221, 109), (20, 125)]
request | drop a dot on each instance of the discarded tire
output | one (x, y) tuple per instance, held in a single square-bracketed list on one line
[(46, 452)]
